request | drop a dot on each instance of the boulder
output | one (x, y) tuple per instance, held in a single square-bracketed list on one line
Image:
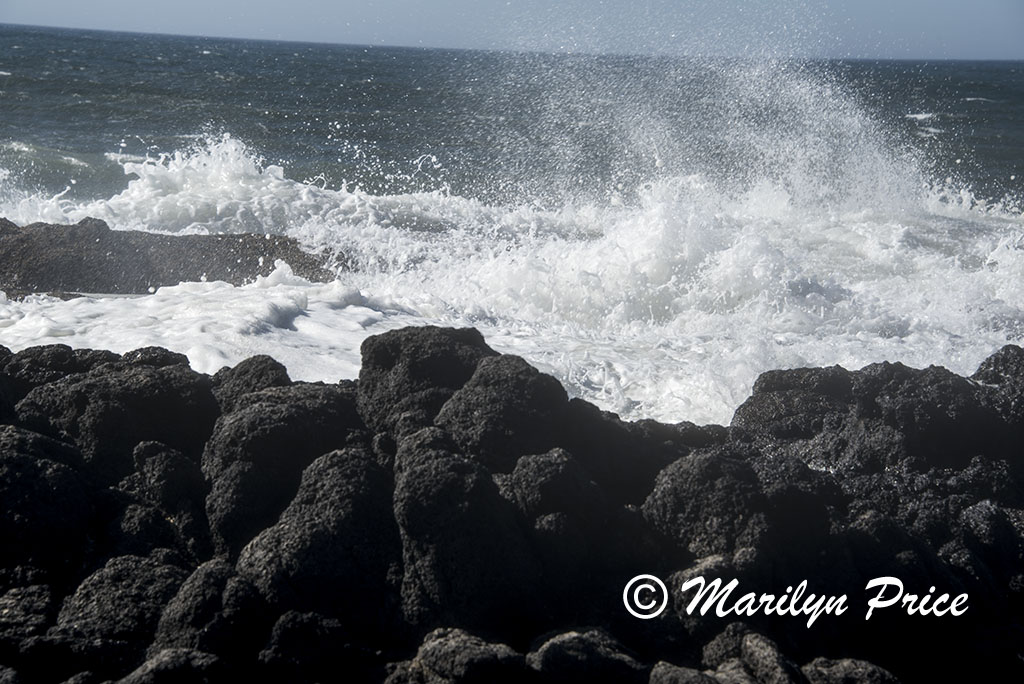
[(108, 412), (466, 557), (256, 454), (335, 549), (407, 375)]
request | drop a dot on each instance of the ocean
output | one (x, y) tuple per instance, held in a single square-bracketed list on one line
[(652, 231)]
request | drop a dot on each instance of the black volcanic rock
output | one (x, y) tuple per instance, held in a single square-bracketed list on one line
[(311, 647), (256, 454), (154, 356), (180, 665), (250, 375), (215, 611), (114, 611), (505, 410), (90, 257), (453, 511), (454, 655), (846, 670), (37, 366), (107, 413), (467, 560), (707, 502), (590, 656), (623, 458), (407, 375), (335, 549), (46, 507)]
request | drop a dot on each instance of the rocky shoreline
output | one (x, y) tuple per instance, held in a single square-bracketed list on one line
[(89, 257), (453, 516)]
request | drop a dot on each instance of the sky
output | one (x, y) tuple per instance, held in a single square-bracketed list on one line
[(932, 29)]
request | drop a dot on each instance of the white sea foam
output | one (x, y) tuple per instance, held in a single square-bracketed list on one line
[(669, 308), (827, 248)]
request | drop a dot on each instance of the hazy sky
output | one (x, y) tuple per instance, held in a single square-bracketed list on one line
[(960, 29)]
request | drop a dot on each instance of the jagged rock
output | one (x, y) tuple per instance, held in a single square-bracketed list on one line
[(846, 671), (335, 549), (466, 558), (591, 656), (407, 375), (46, 508), (256, 454), (790, 404), (214, 611), (26, 612), (505, 410), (764, 660), (173, 483), (456, 656), (7, 413), (709, 503), (251, 375), (462, 503), (157, 357), (106, 414), (114, 612), (37, 366), (555, 482), (623, 458), (179, 665), (311, 647), (666, 673)]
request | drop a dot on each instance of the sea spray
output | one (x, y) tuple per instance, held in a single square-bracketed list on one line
[(654, 232)]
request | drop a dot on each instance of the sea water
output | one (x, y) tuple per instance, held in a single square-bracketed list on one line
[(654, 232)]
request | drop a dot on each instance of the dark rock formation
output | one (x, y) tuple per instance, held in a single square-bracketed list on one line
[(453, 517), (90, 257)]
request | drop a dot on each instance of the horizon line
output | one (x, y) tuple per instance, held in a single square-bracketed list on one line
[(507, 50)]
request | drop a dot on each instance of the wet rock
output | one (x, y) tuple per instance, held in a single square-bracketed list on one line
[(790, 404), (90, 257), (937, 413), (106, 414), (256, 454), (407, 375)]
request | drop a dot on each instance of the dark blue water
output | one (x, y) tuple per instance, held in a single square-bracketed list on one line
[(500, 127)]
